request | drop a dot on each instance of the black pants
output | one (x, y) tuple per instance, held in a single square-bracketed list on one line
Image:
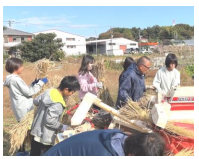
[(22, 148), (38, 149)]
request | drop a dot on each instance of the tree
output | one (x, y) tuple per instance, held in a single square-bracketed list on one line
[(4, 28), (181, 31), (42, 46)]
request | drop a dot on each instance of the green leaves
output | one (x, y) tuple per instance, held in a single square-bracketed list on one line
[(190, 70), (42, 46)]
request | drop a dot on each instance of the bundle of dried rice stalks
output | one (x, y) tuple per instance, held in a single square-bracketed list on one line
[(132, 110), (104, 94), (185, 152), (71, 101), (187, 121), (43, 66), (19, 132), (144, 101), (179, 130)]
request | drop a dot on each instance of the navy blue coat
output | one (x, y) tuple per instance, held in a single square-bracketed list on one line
[(91, 143), (131, 84)]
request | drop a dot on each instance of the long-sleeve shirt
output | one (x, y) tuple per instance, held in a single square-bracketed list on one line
[(87, 84), (21, 94), (164, 80)]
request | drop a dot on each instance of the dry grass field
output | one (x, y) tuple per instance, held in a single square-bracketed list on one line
[(68, 67)]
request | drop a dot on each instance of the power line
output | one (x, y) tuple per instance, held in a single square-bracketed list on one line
[(76, 27)]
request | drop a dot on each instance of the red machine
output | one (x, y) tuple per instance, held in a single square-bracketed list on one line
[(182, 114)]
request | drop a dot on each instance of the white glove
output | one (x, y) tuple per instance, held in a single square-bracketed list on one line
[(64, 128), (99, 85)]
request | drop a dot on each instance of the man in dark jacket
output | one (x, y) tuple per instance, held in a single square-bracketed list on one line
[(132, 84), (110, 142)]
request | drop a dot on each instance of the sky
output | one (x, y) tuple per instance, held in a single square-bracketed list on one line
[(90, 21)]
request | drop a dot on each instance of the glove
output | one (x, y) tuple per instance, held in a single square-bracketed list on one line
[(45, 80), (64, 128), (99, 85), (35, 81)]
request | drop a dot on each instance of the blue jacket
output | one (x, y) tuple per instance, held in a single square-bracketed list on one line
[(108, 142), (131, 85)]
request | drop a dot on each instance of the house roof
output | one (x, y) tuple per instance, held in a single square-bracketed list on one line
[(149, 44), (15, 32), (51, 30), (105, 40)]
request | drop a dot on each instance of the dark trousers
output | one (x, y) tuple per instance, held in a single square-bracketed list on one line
[(38, 149), (22, 148)]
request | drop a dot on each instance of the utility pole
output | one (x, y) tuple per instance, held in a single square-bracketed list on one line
[(139, 41), (111, 39), (10, 23), (96, 41)]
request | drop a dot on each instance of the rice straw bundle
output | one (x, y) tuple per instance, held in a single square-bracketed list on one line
[(179, 130), (143, 102), (19, 132), (43, 66), (104, 93), (185, 152), (132, 110)]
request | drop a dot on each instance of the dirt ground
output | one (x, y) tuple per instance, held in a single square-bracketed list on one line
[(69, 68)]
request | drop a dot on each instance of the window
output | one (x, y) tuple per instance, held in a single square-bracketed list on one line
[(111, 43), (70, 39), (71, 46), (133, 44), (16, 39), (22, 38)]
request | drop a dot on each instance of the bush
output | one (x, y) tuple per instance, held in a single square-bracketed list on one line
[(112, 65), (5, 57), (42, 46), (190, 70), (58, 56)]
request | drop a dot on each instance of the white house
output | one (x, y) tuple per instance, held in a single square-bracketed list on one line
[(73, 44), (115, 46)]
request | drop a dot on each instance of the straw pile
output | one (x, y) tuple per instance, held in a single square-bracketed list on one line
[(104, 93), (20, 132)]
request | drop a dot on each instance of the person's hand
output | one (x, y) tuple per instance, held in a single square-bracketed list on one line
[(150, 87), (45, 80), (99, 85), (35, 81), (64, 128)]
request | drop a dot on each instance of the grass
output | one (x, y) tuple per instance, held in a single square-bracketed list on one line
[(70, 66)]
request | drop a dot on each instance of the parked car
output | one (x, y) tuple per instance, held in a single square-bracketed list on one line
[(131, 51), (145, 51)]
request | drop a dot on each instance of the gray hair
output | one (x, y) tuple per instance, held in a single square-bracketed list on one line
[(142, 60)]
